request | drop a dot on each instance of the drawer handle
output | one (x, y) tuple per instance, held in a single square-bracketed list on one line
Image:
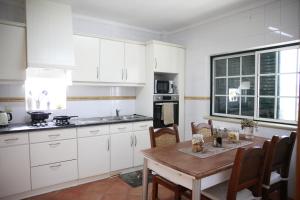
[(54, 135), (94, 131), (11, 139), (55, 166), (54, 144), (142, 126), (120, 128)]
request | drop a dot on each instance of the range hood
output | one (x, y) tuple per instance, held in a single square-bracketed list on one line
[(49, 35)]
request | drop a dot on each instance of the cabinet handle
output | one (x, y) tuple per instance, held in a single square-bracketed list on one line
[(131, 141), (54, 144), (94, 131), (55, 166), (122, 74), (121, 128), (97, 72), (126, 74), (155, 63), (135, 140), (142, 126), (108, 146), (53, 135), (11, 139)]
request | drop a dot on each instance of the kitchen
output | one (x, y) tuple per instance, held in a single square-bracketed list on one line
[(96, 91)]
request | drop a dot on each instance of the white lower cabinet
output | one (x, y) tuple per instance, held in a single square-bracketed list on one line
[(121, 151), (52, 174), (93, 156), (14, 170), (141, 142)]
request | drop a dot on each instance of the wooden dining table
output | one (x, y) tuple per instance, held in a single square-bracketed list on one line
[(188, 170)]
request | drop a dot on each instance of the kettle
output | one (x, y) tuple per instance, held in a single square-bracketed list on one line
[(5, 118)]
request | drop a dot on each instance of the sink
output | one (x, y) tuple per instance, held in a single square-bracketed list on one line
[(123, 117), (96, 120)]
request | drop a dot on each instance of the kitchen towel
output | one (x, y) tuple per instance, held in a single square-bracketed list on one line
[(168, 113)]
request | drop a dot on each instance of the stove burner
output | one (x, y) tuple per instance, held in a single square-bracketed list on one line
[(61, 122), (39, 123)]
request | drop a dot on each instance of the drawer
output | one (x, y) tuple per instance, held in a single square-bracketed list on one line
[(120, 128), (139, 126), (52, 174), (51, 135), (13, 139), (51, 152), (171, 174), (92, 131)]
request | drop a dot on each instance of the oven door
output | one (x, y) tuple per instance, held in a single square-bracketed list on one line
[(158, 118), (162, 87)]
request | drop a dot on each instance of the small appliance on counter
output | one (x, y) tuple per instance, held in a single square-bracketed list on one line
[(5, 117)]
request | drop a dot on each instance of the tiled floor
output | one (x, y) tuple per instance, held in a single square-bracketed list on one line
[(107, 189)]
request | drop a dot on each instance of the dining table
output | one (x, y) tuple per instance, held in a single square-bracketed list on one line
[(188, 170)]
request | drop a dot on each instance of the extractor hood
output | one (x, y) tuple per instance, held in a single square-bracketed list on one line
[(49, 35)]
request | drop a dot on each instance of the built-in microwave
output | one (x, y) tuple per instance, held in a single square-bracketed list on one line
[(164, 87)]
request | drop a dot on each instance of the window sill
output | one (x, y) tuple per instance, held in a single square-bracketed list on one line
[(261, 124)]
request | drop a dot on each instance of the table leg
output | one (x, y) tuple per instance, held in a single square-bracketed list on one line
[(196, 192), (145, 180)]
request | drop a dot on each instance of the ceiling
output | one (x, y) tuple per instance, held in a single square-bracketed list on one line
[(158, 15)]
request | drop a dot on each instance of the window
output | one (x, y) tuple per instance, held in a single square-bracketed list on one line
[(260, 84)]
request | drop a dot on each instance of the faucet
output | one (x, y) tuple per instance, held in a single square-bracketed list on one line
[(117, 112)]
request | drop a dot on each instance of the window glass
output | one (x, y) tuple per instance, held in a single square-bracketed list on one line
[(248, 65), (288, 61), (233, 85), (220, 104), (266, 107), (247, 106), (267, 85), (286, 109), (287, 85), (233, 105), (220, 86), (268, 63), (220, 67), (247, 85), (234, 66)]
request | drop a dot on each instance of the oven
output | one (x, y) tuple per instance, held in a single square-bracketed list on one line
[(165, 110)]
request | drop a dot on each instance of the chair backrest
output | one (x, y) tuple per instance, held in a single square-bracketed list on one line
[(279, 156), (205, 129), (248, 171), (164, 136)]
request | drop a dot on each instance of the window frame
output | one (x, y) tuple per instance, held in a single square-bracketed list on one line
[(256, 52)]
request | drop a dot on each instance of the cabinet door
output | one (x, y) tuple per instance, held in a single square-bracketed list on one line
[(166, 58), (13, 52), (141, 142), (135, 63), (121, 151), (86, 59), (93, 156), (111, 61), (14, 170)]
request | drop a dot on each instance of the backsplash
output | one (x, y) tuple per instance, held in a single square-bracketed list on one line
[(89, 101)]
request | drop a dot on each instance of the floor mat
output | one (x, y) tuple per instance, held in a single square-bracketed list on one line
[(135, 179)]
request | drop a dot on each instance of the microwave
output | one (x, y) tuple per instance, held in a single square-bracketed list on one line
[(163, 87)]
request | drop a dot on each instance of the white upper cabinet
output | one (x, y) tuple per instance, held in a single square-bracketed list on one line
[(13, 52), (135, 63), (86, 58), (167, 58), (111, 61), (49, 34)]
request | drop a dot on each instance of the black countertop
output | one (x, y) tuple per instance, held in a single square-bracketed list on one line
[(74, 123)]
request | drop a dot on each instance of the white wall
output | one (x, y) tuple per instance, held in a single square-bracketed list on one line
[(236, 32)]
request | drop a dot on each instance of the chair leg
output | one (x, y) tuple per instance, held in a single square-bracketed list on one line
[(154, 189), (177, 195), (284, 190)]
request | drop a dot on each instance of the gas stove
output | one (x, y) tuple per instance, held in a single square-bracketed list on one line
[(39, 123)]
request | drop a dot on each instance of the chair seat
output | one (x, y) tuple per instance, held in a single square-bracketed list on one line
[(219, 192)]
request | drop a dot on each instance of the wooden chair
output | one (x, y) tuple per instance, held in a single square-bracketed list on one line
[(246, 177), (278, 164), (160, 138), (205, 129)]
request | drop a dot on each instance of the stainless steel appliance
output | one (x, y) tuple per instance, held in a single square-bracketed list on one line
[(165, 110), (164, 87), (5, 117)]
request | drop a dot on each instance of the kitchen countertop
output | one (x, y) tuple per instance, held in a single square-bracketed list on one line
[(74, 123)]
